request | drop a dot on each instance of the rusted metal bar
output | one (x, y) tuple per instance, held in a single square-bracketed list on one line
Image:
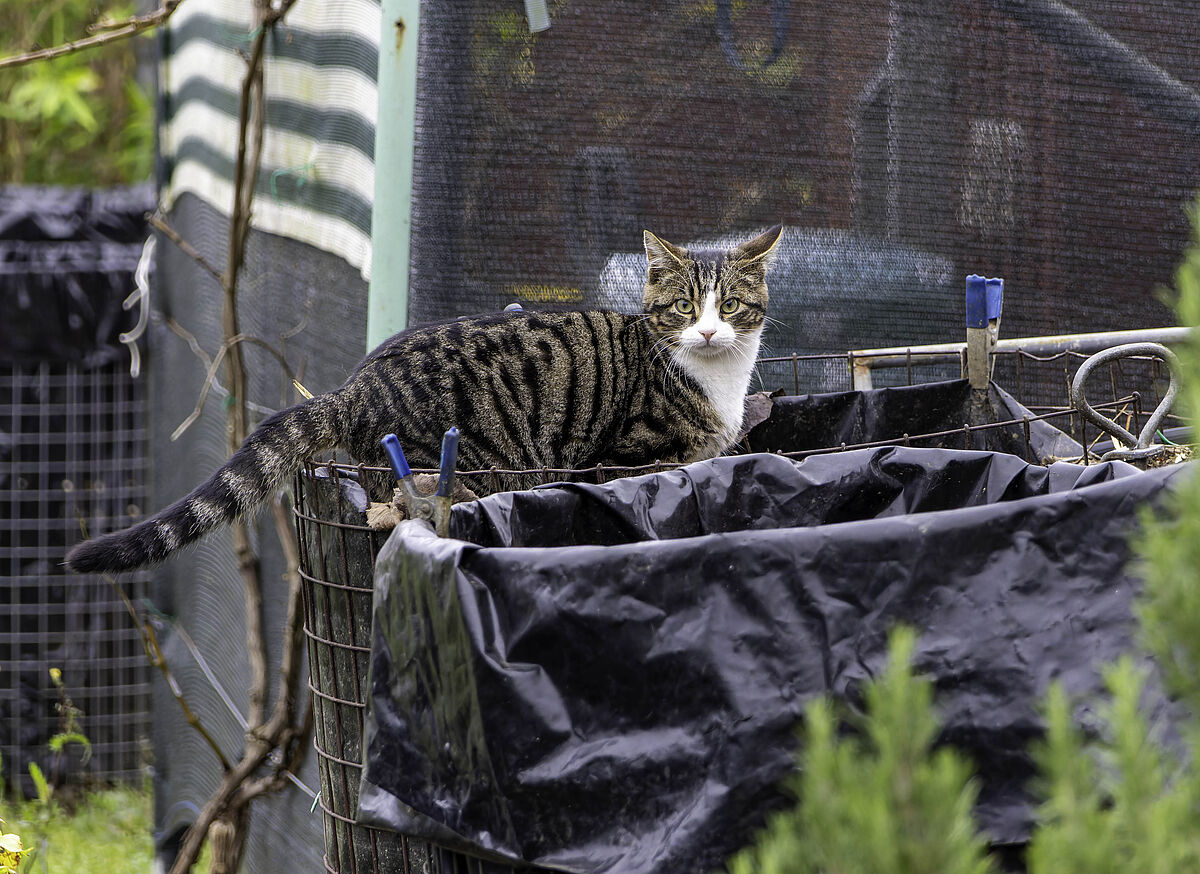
[(945, 353)]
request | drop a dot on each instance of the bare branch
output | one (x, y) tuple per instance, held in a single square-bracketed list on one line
[(190, 339), (263, 344), (251, 126), (157, 659), (160, 224), (289, 668), (256, 753), (111, 33), (215, 363), (208, 380), (238, 788), (229, 804)]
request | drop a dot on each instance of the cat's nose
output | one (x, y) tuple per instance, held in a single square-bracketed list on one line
[(707, 335)]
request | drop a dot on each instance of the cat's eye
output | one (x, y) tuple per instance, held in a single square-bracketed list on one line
[(684, 307), (730, 306)]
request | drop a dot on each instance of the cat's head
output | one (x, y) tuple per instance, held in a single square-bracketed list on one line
[(707, 302)]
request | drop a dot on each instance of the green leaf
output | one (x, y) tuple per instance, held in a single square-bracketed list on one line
[(40, 783), (59, 741)]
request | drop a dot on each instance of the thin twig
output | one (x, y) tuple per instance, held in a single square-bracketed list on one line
[(254, 756), (214, 364), (112, 32), (160, 224), (209, 376), (190, 339), (251, 125), (289, 666), (263, 344), (155, 654)]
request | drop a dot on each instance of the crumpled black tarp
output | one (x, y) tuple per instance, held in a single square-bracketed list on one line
[(67, 258), (620, 694), (821, 421)]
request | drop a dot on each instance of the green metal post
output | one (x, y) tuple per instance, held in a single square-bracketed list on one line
[(391, 216)]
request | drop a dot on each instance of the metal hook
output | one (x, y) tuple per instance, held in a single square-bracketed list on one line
[(1142, 446)]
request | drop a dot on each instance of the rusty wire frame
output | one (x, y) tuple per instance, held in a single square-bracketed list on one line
[(1012, 355), (337, 554)]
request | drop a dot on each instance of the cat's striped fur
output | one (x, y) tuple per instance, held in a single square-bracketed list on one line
[(527, 390)]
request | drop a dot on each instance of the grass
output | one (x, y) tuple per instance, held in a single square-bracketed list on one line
[(103, 831)]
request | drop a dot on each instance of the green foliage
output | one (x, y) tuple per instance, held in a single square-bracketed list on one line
[(59, 741), (70, 731), (40, 784), (884, 802), (15, 858), (105, 831), (1122, 804), (1169, 546), (80, 119)]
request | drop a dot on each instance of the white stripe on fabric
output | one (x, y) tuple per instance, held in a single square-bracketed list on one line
[(319, 87), (357, 17), (303, 156), (325, 232)]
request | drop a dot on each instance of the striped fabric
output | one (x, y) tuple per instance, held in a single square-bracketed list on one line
[(317, 178)]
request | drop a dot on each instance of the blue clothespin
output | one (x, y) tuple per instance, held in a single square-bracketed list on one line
[(445, 486), (985, 300), (434, 508)]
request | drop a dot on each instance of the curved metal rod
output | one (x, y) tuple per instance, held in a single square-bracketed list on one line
[(1141, 446)]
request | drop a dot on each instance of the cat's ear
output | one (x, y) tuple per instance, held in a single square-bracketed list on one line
[(662, 255), (759, 251)]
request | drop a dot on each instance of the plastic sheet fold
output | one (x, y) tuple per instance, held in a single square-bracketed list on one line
[(941, 409), (609, 678)]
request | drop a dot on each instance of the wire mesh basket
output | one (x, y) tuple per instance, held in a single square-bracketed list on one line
[(337, 551), (1038, 373), (337, 554)]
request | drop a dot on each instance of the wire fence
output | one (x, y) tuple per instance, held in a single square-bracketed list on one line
[(72, 458)]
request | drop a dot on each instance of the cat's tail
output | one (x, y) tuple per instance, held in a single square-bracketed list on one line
[(260, 467)]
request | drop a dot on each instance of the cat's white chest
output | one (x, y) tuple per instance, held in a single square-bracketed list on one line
[(724, 380)]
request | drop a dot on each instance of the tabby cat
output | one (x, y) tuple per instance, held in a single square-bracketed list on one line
[(557, 389)]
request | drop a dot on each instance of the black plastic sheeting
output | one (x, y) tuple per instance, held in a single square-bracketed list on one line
[(821, 421), (67, 257), (621, 693)]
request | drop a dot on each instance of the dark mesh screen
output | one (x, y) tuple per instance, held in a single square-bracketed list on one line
[(906, 144), (311, 306)]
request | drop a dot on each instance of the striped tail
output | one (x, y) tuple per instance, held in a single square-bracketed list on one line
[(260, 467)]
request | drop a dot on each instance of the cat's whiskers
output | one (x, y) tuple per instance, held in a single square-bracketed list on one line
[(764, 351), (663, 346), (672, 370)]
